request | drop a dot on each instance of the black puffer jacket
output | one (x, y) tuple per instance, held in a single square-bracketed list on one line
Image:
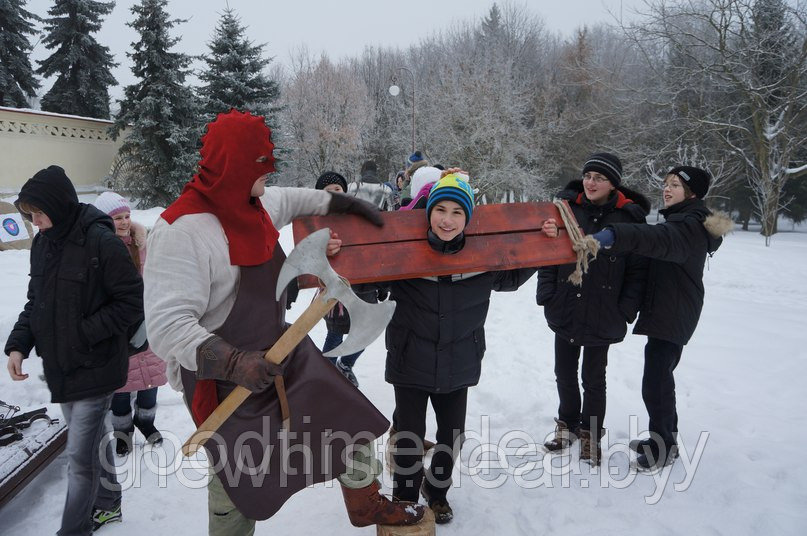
[(83, 295), (677, 248), (597, 313), (436, 338)]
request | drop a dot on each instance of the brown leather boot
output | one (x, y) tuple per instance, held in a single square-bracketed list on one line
[(564, 437), (590, 451), (366, 506)]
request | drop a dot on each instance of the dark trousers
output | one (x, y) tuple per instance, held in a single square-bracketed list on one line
[(658, 388), (334, 339), (410, 424), (591, 414), (122, 402)]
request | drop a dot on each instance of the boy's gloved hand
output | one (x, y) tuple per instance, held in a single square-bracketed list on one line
[(216, 359), (605, 237), (347, 204)]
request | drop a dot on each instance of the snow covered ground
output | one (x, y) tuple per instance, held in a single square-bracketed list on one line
[(740, 401)]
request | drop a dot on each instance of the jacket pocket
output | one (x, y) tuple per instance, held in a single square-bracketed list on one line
[(397, 341), (479, 342)]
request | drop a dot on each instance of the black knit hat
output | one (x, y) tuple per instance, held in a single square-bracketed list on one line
[(52, 192), (331, 177), (607, 164), (696, 178)]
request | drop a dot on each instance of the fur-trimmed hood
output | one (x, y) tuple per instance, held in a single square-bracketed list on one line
[(718, 224), (138, 235)]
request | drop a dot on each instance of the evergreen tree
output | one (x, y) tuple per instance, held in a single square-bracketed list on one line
[(81, 65), (159, 112), (235, 77), (16, 74)]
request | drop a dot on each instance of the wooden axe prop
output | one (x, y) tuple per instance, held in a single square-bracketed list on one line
[(367, 321)]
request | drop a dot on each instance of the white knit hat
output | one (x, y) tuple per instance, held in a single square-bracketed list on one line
[(112, 203), (424, 176)]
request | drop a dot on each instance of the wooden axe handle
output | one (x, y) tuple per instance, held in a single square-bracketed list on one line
[(276, 354)]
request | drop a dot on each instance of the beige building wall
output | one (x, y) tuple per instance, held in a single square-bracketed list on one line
[(31, 140)]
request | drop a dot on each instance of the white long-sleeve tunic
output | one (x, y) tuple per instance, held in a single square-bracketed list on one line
[(190, 285)]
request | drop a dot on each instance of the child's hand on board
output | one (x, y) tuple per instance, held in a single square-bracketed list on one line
[(550, 228), (334, 245)]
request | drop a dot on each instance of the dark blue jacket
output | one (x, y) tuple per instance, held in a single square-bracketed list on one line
[(436, 338), (596, 313), (677, 248)]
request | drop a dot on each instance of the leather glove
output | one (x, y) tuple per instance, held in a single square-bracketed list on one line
[(347, 204), (216, 359)]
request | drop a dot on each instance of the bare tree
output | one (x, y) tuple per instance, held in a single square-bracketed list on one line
[(325, 110), (736, 71)]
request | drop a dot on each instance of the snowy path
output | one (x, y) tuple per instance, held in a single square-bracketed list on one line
[(741, 379)]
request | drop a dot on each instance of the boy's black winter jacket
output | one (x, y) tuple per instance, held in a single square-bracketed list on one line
[(677, 248), (436, 338), (83, 295), (596, 313)]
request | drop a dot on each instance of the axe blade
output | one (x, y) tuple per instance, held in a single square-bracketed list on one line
[(369, 319), (306, 258)]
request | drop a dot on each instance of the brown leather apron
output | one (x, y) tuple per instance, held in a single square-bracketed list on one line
[(260, 465)]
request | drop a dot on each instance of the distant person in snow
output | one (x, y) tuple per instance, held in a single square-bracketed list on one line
[(337, 320), (84, 295), (592, 317), (673, 300), (146, 370)]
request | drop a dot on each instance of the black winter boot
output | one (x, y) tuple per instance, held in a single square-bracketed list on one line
[(124, 429), (144, 420), (652, 458), (443, 513), (638, 445)]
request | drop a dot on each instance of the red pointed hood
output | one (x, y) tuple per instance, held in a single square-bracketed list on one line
[(236, 151)]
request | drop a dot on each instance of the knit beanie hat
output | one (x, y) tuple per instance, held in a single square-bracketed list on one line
[(331, 177), (417, 156), (111, 204), (424, 176), (696, 178), (607, 164), (452, 187)]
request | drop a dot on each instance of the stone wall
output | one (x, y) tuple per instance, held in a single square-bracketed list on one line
[(31, 140)]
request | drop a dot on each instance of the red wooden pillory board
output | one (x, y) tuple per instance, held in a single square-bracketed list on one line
[(499, 237)]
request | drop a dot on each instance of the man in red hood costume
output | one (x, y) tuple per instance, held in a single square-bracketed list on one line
[(211, 313)]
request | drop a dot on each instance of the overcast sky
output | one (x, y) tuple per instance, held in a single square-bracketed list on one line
[(341, 28)]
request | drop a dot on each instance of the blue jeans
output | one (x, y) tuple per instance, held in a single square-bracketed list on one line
[(332, 340), (90, 483)]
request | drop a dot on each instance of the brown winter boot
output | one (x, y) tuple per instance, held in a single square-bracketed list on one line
[(366, 506), (590, 451), (563, 439)]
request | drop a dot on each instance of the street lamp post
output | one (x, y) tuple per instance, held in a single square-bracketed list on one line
[(394, 90)]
